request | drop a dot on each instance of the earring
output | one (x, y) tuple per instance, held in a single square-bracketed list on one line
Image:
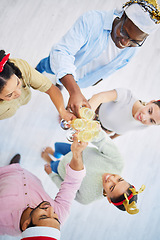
[(143, 103), (104, 193)]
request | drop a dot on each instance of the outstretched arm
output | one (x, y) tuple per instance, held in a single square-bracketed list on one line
[(57, 99), (76, 99), (102, 97), (114, 136), (63, 57), (75, 173), (77, 148), (40, 82)]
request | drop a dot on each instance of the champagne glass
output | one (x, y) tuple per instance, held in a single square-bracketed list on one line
[(78, 124), (86, 113)]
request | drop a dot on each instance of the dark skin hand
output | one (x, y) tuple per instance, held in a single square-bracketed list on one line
[(76, 100), (131, 34)]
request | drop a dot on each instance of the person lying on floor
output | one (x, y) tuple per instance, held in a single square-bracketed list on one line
[(98, 44), (16, 79), (103, 164), (119, 111), (25, 206)]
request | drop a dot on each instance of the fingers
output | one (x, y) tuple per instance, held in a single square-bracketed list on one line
[(71, 116), (79, 143), (67, 115), (75, 137), (76, 101), (86, 104), (83, 145), (75, 109)]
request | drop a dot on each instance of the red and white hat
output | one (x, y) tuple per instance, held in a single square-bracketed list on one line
[(41, 233)]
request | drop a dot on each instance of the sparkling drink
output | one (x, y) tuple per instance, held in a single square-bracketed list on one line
[(85, 136), (92, 125), (86, 113), (78, 124)]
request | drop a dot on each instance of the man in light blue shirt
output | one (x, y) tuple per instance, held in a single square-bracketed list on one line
[(98, 44)]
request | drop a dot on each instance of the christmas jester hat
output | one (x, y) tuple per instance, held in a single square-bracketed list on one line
[(128, 201), (145, 14)]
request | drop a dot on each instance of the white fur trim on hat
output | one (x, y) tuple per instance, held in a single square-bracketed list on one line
[(41, 231), (141, 18)]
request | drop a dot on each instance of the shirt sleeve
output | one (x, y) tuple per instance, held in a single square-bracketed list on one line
[(62, 55), (56, 179), (106, 146), (123, 95), (67, 192), (32, 77)]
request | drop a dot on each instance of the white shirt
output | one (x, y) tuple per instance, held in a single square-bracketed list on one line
[(111, 52), (117, 115)]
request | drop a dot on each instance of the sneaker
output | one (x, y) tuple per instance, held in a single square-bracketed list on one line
[(59, 86), (15, 159)]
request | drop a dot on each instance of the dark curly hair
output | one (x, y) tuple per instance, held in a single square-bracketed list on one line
[(8, 70)]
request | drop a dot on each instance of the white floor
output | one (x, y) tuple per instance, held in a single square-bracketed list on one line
[(28, 30)]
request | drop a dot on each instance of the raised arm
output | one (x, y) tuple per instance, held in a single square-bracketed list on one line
[(75, 173), (102, 97), (40, 82), (62, 59), (57, 99), (77, 148)]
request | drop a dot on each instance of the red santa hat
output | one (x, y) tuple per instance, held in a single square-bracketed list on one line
[(41, 233)]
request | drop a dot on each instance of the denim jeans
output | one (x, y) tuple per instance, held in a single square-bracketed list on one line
[(44, 65), (61, 149)]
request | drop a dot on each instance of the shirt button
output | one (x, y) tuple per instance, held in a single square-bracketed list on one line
[(27, 205), (24, 184), (25, 193)]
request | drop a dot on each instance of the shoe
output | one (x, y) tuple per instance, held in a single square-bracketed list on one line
[(15, 159), (59, 86)]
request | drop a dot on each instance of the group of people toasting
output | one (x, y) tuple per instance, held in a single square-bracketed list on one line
[(98, 44)]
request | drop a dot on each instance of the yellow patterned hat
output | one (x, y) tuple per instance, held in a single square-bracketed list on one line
[(145, 14)]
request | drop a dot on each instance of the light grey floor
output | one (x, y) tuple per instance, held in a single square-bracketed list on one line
[(28, 30)]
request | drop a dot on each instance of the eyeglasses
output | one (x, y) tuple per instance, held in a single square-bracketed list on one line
[(124, 34)]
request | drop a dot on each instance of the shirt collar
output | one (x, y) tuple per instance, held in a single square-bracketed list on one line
[(110, 17)]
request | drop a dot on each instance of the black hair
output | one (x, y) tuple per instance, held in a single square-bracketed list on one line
[(121, 198), (8, 70), (29, 225)]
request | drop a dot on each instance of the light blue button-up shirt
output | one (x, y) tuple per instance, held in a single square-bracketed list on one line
[(86, 40)]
